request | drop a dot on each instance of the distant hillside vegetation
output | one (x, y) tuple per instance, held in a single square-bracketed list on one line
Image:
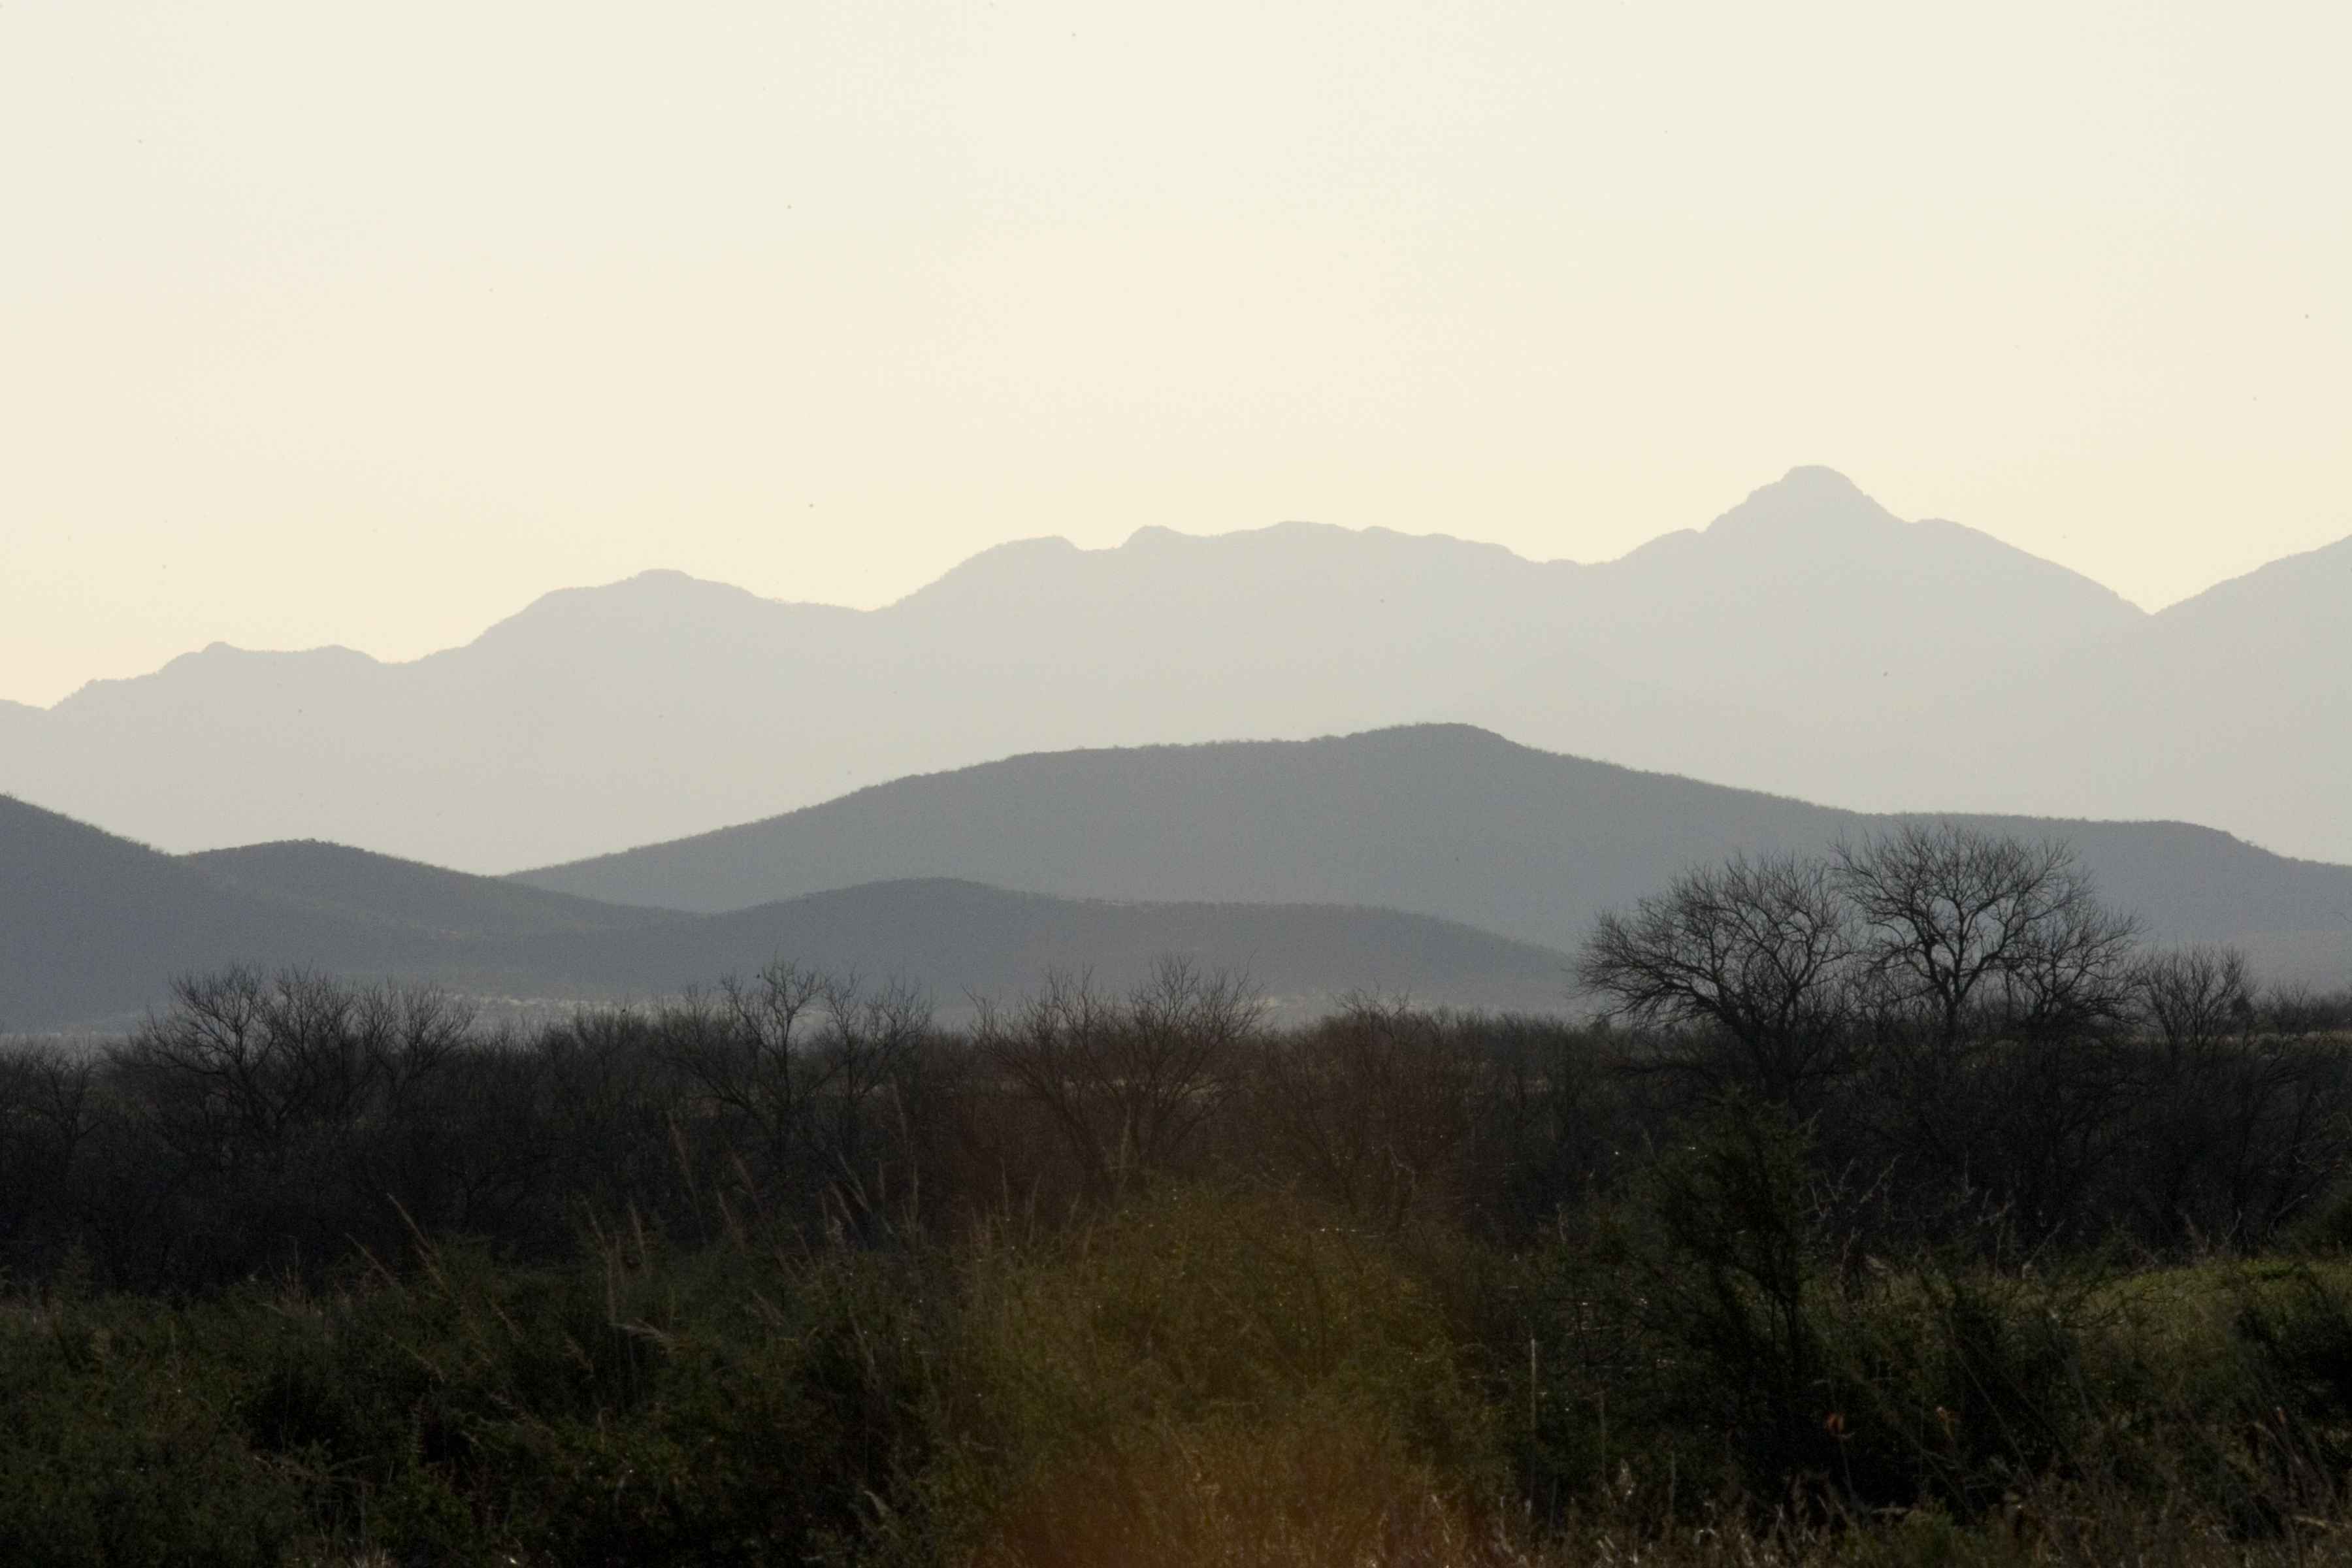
[(957, 938), (93, 929), (92, 925), (1444, 820), (380, 889)]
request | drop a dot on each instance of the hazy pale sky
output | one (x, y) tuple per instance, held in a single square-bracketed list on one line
[(330, 324)]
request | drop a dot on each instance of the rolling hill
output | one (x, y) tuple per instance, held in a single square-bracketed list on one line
[(93, 926), (1443, 820), (959, 939), (377, 890), (93, 929)]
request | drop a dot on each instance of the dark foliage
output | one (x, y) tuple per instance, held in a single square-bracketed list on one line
[(1854, 1210)]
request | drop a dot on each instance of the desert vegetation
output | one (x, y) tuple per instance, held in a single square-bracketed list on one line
[(1900, 1208)]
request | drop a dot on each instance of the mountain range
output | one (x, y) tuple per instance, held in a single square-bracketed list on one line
[(1442, 820), (93, 929), (1439, 861), (1805, 642)]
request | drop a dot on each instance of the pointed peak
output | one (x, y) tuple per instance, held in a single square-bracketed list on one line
[(1808, 497)]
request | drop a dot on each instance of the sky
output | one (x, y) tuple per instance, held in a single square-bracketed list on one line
[(367, 325)]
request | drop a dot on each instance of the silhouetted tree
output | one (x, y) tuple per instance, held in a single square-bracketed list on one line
[(1954, 922), (1375, 1108), (1748, 964), (1127, 1081)]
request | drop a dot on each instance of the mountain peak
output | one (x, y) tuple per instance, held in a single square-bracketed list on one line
[(1812, 497), (1819, 477), (658, 592)]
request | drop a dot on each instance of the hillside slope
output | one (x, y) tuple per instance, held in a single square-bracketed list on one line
[(2233, 707), (959, 939), (93, 929), (1444, 820), (377, 890)]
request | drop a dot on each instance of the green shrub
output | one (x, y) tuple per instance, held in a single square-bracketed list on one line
[(116, 1449)]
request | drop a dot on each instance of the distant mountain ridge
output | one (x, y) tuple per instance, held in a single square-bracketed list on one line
[(1439, 860), (959, 939), (1806, 641), (378, 891), (1443, 820), (2234, 707), (93, 929)]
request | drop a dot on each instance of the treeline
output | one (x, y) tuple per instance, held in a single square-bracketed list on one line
[(272, 1125), (1957, 1016), (276, 1125), (1901, 1209)]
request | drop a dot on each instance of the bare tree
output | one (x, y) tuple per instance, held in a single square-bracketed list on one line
[(45, 1114), (785, 1072), (1956, 922), (290, 1109), (871, 1039), (746, 1053), (1128, 1081), (2193, 998), (1375, 1108), (1755, 952), (1995, 984), (2241, 1104)]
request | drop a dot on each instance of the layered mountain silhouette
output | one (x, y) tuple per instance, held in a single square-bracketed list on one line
[(370, 890), (1806, 641), (94, 928), (2234, 707), (957, 939), (1441, 861), (91, 925), (1443, 820)]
